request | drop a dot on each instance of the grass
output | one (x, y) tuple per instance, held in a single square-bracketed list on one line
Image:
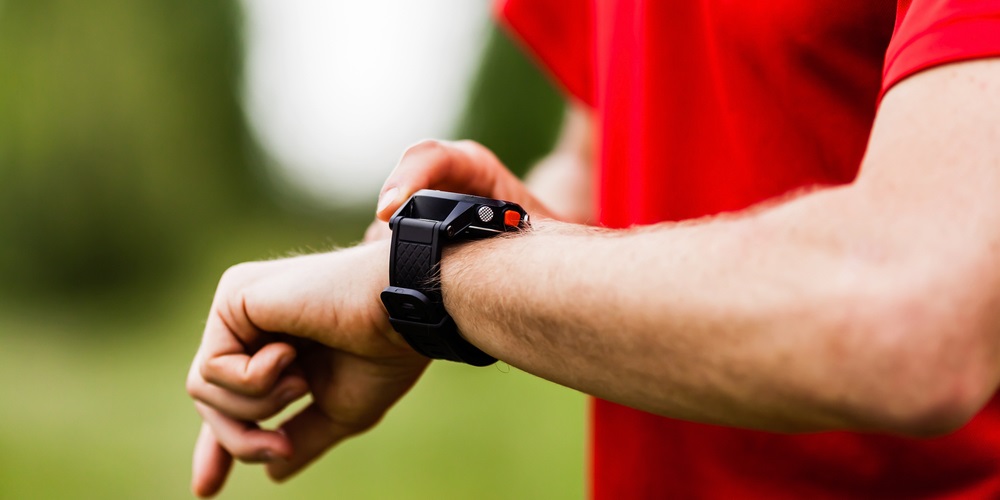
[(92, 403)]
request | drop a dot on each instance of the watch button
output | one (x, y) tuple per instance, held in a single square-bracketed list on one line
[(485, 213), (511, 218)]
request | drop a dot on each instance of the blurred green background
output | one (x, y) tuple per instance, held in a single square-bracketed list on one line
[(129, 182)]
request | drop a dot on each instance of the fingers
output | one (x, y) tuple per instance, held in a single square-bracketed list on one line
[(211, 464), (462, 166), (248, 375), (285, 391), (244, 440), (229, 408), (356, 393), (248, 388), (223, 375), (235, 389)]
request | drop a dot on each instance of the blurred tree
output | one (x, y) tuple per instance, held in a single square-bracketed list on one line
[(121, 135), (513, 108)]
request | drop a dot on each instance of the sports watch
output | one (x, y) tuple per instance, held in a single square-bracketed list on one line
[(421, 228)]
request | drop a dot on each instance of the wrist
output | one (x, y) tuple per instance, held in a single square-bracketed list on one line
[(377, 270), (422, 229), (362, 272), (489, 288)]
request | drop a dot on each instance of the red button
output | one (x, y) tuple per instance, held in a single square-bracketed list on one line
[(511, 218)]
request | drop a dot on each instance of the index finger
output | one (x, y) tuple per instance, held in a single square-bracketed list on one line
[(224, 360), (210, 466)]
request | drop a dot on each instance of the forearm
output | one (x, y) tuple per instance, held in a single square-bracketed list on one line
[(796, 318), (872, 306), (670, 320)]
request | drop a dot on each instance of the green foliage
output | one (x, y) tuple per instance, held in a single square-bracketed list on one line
[(122, 139), (120, 135), (513, 108)]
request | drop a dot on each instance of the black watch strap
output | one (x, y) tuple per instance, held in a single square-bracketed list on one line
[(435, 339), (416, 253), (413, 297)]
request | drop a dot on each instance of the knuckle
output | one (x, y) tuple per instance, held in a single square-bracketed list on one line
[(193, 386), (242, 275), (470, 144), (207, 372), (426, 146), (237, 274)]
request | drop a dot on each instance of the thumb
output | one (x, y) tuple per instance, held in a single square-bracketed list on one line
[(462, 166), (388, 202)]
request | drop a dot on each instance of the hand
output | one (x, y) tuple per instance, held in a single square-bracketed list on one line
[(461, 166), (282, 329)]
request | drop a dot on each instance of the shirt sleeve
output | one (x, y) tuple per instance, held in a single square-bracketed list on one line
[(558, 34), (933, 32)]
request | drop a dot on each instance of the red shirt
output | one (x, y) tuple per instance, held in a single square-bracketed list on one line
[(706, 106)]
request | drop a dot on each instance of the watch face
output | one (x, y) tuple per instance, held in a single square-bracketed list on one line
[(430, 208), (465, 216), (457, 197)]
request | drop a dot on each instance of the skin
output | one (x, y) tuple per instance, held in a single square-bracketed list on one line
[(873, 306)]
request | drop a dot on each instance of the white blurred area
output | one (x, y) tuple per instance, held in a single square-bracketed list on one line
[(336, 89)]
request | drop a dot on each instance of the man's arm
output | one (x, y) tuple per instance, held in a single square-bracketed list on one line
[(873, 306), (563, 179)]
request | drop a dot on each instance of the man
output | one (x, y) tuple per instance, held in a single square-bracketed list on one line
[(863, 296)]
